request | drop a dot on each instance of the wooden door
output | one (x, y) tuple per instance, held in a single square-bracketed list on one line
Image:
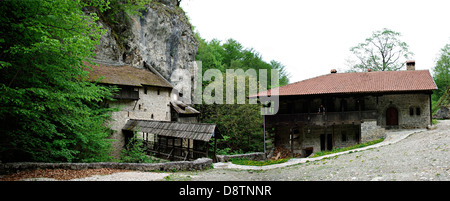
[(329, 142), (392, 117), (322, 142), (326, 142)]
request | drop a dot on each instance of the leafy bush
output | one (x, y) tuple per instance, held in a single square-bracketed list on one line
[(134, 152)]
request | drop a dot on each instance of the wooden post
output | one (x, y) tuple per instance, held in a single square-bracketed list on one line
[(326, 137), (264, 125), (214, 154), (359, 110), (292, 142), (188, 149), (207, 149), (159, 144)]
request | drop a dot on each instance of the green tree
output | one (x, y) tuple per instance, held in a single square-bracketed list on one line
[(240, 124), (211, 54), (441, 72), (49, 111), (232, 51), (383, 51), (284, 75)]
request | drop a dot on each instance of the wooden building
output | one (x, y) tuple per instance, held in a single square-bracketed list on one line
[(181, 112), (175, 140), (358, 107)]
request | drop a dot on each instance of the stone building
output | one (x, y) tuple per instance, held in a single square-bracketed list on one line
[(358, 108), (142, 95), (168, 127)]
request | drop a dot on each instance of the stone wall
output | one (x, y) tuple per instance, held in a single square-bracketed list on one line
[(345, 135), (443, 113), (199, 164), (150, 106), (342, 136), (251, 156), (371, 131), (403, 103)]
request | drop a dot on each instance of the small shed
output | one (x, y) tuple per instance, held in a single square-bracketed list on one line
[(175, 140)]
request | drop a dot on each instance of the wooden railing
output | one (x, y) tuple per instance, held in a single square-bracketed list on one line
[(174, 152), (321, 119)]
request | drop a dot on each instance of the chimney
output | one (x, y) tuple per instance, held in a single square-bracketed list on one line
[(333, 71), (411, 65)]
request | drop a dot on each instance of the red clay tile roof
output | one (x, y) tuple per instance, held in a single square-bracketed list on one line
[(361, 82), (125, 75)]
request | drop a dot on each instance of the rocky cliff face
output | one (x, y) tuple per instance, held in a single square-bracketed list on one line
[(159, 38)]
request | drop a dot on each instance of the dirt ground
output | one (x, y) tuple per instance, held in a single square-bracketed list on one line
[(58, 174)]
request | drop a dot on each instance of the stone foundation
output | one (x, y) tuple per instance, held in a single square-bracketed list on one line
[(251, 156), (370, 131)]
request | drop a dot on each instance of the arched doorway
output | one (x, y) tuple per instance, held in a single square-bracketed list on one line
[(391, 117)]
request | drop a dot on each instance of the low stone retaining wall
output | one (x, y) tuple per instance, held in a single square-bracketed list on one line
[(199, 164), (370, 131), (252, 156)]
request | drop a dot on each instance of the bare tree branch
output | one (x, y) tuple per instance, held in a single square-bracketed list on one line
[(382, 51)]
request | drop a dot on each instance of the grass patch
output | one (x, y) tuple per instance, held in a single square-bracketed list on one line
[(435, 121), (245, 161), (322, 153)]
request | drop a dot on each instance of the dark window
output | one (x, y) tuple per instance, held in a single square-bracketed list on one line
[(145, 90), (418, 111), (411, 111), (158, 92), (344, 137)]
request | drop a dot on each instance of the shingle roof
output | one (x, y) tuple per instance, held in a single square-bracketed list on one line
[(360, 82), (194, 131), (182, 108), (125, 75)]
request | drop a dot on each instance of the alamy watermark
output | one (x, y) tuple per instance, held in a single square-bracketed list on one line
[(185, 79)]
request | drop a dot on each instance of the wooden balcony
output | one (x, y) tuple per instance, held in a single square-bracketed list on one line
[(329, 118), (125, 94)]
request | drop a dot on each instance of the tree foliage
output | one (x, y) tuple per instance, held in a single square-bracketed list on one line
[(49, 111), (441, 72), (134, 151), (240, 124), (383, 51)]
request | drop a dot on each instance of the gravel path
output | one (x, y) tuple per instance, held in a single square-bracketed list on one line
[(422, 156)]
